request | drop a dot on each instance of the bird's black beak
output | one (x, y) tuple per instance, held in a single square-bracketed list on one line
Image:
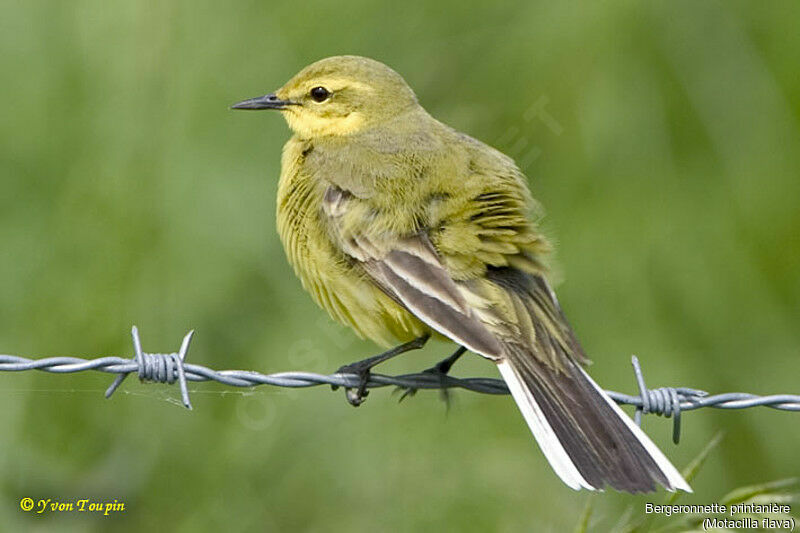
[(269, 101)]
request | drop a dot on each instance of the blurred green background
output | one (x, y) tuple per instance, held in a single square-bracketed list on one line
[(666, 157)]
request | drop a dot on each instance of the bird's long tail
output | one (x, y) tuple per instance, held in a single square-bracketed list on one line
[(589, 441)]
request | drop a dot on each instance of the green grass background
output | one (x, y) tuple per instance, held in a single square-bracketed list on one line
[(131, 194)]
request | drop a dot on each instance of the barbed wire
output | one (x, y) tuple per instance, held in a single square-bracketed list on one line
[(171, 367)]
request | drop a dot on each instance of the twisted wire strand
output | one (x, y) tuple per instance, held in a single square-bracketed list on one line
[(171, 367)]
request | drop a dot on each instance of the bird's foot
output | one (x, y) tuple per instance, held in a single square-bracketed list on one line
[(440, 370), (356, 395), (436, 370)]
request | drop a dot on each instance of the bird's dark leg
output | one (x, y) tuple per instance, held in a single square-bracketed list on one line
[(444, 366), (362, 368), (440, 369)]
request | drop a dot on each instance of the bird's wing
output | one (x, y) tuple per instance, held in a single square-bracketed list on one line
[(473, 272), (412, 274), (409, 270)]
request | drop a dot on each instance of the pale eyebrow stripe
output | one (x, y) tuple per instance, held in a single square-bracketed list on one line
[(335, 84)]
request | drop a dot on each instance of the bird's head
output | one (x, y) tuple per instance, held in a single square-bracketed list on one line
[(337, 96)]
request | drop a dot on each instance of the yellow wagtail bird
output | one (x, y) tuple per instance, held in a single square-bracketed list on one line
[(402, 228)]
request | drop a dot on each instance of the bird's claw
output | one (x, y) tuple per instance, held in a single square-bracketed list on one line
[(439, 369), (355, 396), (405, 392)]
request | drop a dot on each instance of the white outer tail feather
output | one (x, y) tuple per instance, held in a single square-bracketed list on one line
[(553, 449), (542, 432), (673, 476)]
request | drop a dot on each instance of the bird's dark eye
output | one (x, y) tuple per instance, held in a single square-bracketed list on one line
[(320, 94)]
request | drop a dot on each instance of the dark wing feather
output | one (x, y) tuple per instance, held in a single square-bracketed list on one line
[(412, 274)]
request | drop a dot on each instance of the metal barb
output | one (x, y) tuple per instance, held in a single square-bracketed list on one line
[(157, 367), (663, 401)]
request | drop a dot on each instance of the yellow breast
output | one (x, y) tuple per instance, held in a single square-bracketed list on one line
[(337, 285)]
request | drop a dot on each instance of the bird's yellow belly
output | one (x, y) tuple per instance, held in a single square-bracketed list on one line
[(337, 285)]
